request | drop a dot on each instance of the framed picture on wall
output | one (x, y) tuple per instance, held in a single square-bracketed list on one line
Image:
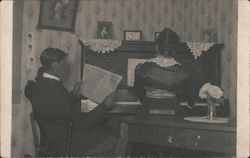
[(104, 30), (58, 15), (132, 35)]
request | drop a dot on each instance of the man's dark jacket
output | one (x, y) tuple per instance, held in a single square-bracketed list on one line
[(54, 107)]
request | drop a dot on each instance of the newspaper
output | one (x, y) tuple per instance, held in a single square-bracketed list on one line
[(98, 83)]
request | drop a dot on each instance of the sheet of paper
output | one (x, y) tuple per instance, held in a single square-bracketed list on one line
[(98, 83), (88, 105), (132, 63)]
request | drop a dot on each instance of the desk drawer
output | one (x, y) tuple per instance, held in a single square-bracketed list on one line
[(218, 141), (214, 141)]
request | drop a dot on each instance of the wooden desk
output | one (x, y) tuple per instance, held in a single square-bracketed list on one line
[(207, 137)]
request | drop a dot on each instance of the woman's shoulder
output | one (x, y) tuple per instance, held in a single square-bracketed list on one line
[(180, 69), (145, 67)]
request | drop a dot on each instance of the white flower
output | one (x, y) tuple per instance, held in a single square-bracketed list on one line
[(209, 89), (203, 90), (215, 92)]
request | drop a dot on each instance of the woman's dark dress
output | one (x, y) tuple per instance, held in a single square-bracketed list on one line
[(54, 106), (173, 78)]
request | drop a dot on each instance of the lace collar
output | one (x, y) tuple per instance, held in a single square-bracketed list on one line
[(164, 62)]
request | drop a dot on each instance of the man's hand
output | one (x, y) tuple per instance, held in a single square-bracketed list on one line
[(76, 89), (109, 100)]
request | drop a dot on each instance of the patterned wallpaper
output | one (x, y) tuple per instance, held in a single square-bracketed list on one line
[(187, 17)]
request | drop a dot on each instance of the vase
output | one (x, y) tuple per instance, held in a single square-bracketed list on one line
[(211, 109)]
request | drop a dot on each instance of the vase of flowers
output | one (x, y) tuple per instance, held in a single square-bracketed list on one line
[(213, 94)]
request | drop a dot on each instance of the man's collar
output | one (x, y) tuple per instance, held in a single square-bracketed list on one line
[(46, 75)]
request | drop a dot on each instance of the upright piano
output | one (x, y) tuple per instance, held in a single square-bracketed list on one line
[(158, 130)]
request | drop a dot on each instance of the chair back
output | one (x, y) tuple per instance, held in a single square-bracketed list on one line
[(43, 151), (35, 132)]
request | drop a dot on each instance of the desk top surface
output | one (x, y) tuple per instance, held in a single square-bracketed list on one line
[(156, 120)]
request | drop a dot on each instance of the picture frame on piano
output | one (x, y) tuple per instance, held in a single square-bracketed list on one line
[(208, 35), (132, 35)]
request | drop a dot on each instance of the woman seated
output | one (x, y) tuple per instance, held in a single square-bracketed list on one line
[(160, 82), (54, 107)]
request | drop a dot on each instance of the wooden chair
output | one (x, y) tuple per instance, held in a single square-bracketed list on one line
[(43, 151)]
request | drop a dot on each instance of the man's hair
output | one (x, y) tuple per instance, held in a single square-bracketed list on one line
[(50, 55), (166, 41)]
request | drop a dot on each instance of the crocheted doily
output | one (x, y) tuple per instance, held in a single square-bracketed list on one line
[(198, 47), (102, 45)]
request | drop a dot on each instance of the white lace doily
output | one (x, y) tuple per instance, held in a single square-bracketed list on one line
[(102, 45), (164, 62), (198, 47)]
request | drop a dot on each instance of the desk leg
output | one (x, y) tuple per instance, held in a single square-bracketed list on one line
[(122, 148)]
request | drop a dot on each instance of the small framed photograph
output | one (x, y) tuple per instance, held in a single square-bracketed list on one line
[(58, 15), (156, 35), (208, 35), (132, 35), (104, 30)]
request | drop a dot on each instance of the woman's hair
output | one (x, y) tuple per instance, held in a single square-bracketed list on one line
[(166, 42), (51, 55)]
